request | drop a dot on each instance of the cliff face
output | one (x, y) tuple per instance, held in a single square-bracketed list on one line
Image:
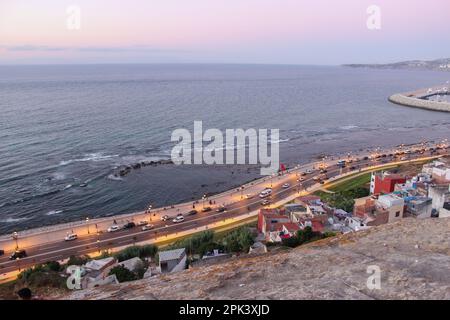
[(413, 257)]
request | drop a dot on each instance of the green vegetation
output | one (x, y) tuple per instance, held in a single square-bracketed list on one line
[(123, 274), (43, 275), (357, 182), (145, 251), (78, 260), (343, 194), (238, 240), (304, 236)]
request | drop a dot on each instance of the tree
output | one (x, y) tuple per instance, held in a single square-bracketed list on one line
[(123, 274)]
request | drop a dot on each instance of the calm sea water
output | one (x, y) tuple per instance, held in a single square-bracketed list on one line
[(64, 127)]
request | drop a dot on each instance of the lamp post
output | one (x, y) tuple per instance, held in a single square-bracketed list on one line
[(204, 198), (15, 236), (149, 210), (87, 222)]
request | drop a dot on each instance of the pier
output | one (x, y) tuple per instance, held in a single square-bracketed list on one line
[(421, 98)]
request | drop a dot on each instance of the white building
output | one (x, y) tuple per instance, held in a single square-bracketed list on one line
[(393, 204)]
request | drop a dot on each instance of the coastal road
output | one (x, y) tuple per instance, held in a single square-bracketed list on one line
[(97, 242)]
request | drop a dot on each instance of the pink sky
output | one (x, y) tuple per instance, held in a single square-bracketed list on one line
[(242, 31)]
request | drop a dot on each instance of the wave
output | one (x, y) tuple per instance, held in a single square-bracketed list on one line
[(349, 127), (114, 177), (89, 157), (52, 212), (13, 220)]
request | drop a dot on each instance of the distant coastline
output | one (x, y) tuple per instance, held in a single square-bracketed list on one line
[(436, 65)]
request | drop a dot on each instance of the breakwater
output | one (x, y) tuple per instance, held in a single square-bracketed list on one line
[(420, 99)]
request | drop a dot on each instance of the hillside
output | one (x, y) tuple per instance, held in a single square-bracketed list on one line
[(439, 64), (413, 255)]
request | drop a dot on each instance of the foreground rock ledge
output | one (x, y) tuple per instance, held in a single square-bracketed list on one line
[(413, 255)]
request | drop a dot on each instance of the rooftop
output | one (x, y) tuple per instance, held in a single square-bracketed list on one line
[(171, 254)]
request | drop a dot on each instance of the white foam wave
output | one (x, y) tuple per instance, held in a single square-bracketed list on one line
[(52, 212), (13, 220), (349, 127), (89, 157)]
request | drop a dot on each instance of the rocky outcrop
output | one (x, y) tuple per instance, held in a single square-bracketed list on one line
[(126, 169), (412, 255)]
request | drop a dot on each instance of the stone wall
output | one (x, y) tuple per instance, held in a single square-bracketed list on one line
[(419, 103)]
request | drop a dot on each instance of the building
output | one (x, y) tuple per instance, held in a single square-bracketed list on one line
[(269, 220), (132, 264), (440, 195), (384, 182), (439, 171), (419, 207), (393, 204), (96, 273), (172, 260)]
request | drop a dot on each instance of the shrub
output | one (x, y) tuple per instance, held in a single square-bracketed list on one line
[(123, 274), (136, 251), (78, 260)]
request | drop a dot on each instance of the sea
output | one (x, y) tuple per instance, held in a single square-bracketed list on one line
[(66, 130)]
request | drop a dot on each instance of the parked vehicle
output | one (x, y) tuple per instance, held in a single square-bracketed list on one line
[(18, 254), (192, 212), (165, 218), (206, 209), (71, 237), (265, 202), (147, 227), (142, 223), (178, 219), (309, 171), (129, 225), (113, 228), (2, 252), (286, 185), (249, 196)]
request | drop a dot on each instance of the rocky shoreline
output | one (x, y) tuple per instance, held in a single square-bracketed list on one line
[(124, 170)]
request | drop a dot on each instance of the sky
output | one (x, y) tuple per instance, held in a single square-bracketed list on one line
[(317, 32)]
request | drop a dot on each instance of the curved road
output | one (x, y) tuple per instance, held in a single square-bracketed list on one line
[(41, 253)]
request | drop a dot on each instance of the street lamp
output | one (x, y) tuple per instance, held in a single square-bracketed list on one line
[(15, 236), (149, 211), (87, 222), (204, 198)]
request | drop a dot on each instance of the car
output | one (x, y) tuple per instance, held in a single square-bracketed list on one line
[(147, 227), (316, 178), (309, 171), (265, 193), (366, 158), (221, 209), (206, 209), (18, 254), (129, 225), (403, 158), (2, 252), (265, 202), (192, 212), (300, 179), (142, 223), (71, 237), (286, 185), (249, 196), (113, 228), (178, 219), (323, 171), (165, 218)]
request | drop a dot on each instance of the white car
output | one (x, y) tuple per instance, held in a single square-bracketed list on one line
[(265, 193), (71, 237), (147, 227), (286, 185), (165, 218), (142, 223), (265, 202), (248, 196), (308, 171), (113, 228), (178, 219)]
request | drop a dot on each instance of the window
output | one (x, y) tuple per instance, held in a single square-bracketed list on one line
[(397, 214)]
